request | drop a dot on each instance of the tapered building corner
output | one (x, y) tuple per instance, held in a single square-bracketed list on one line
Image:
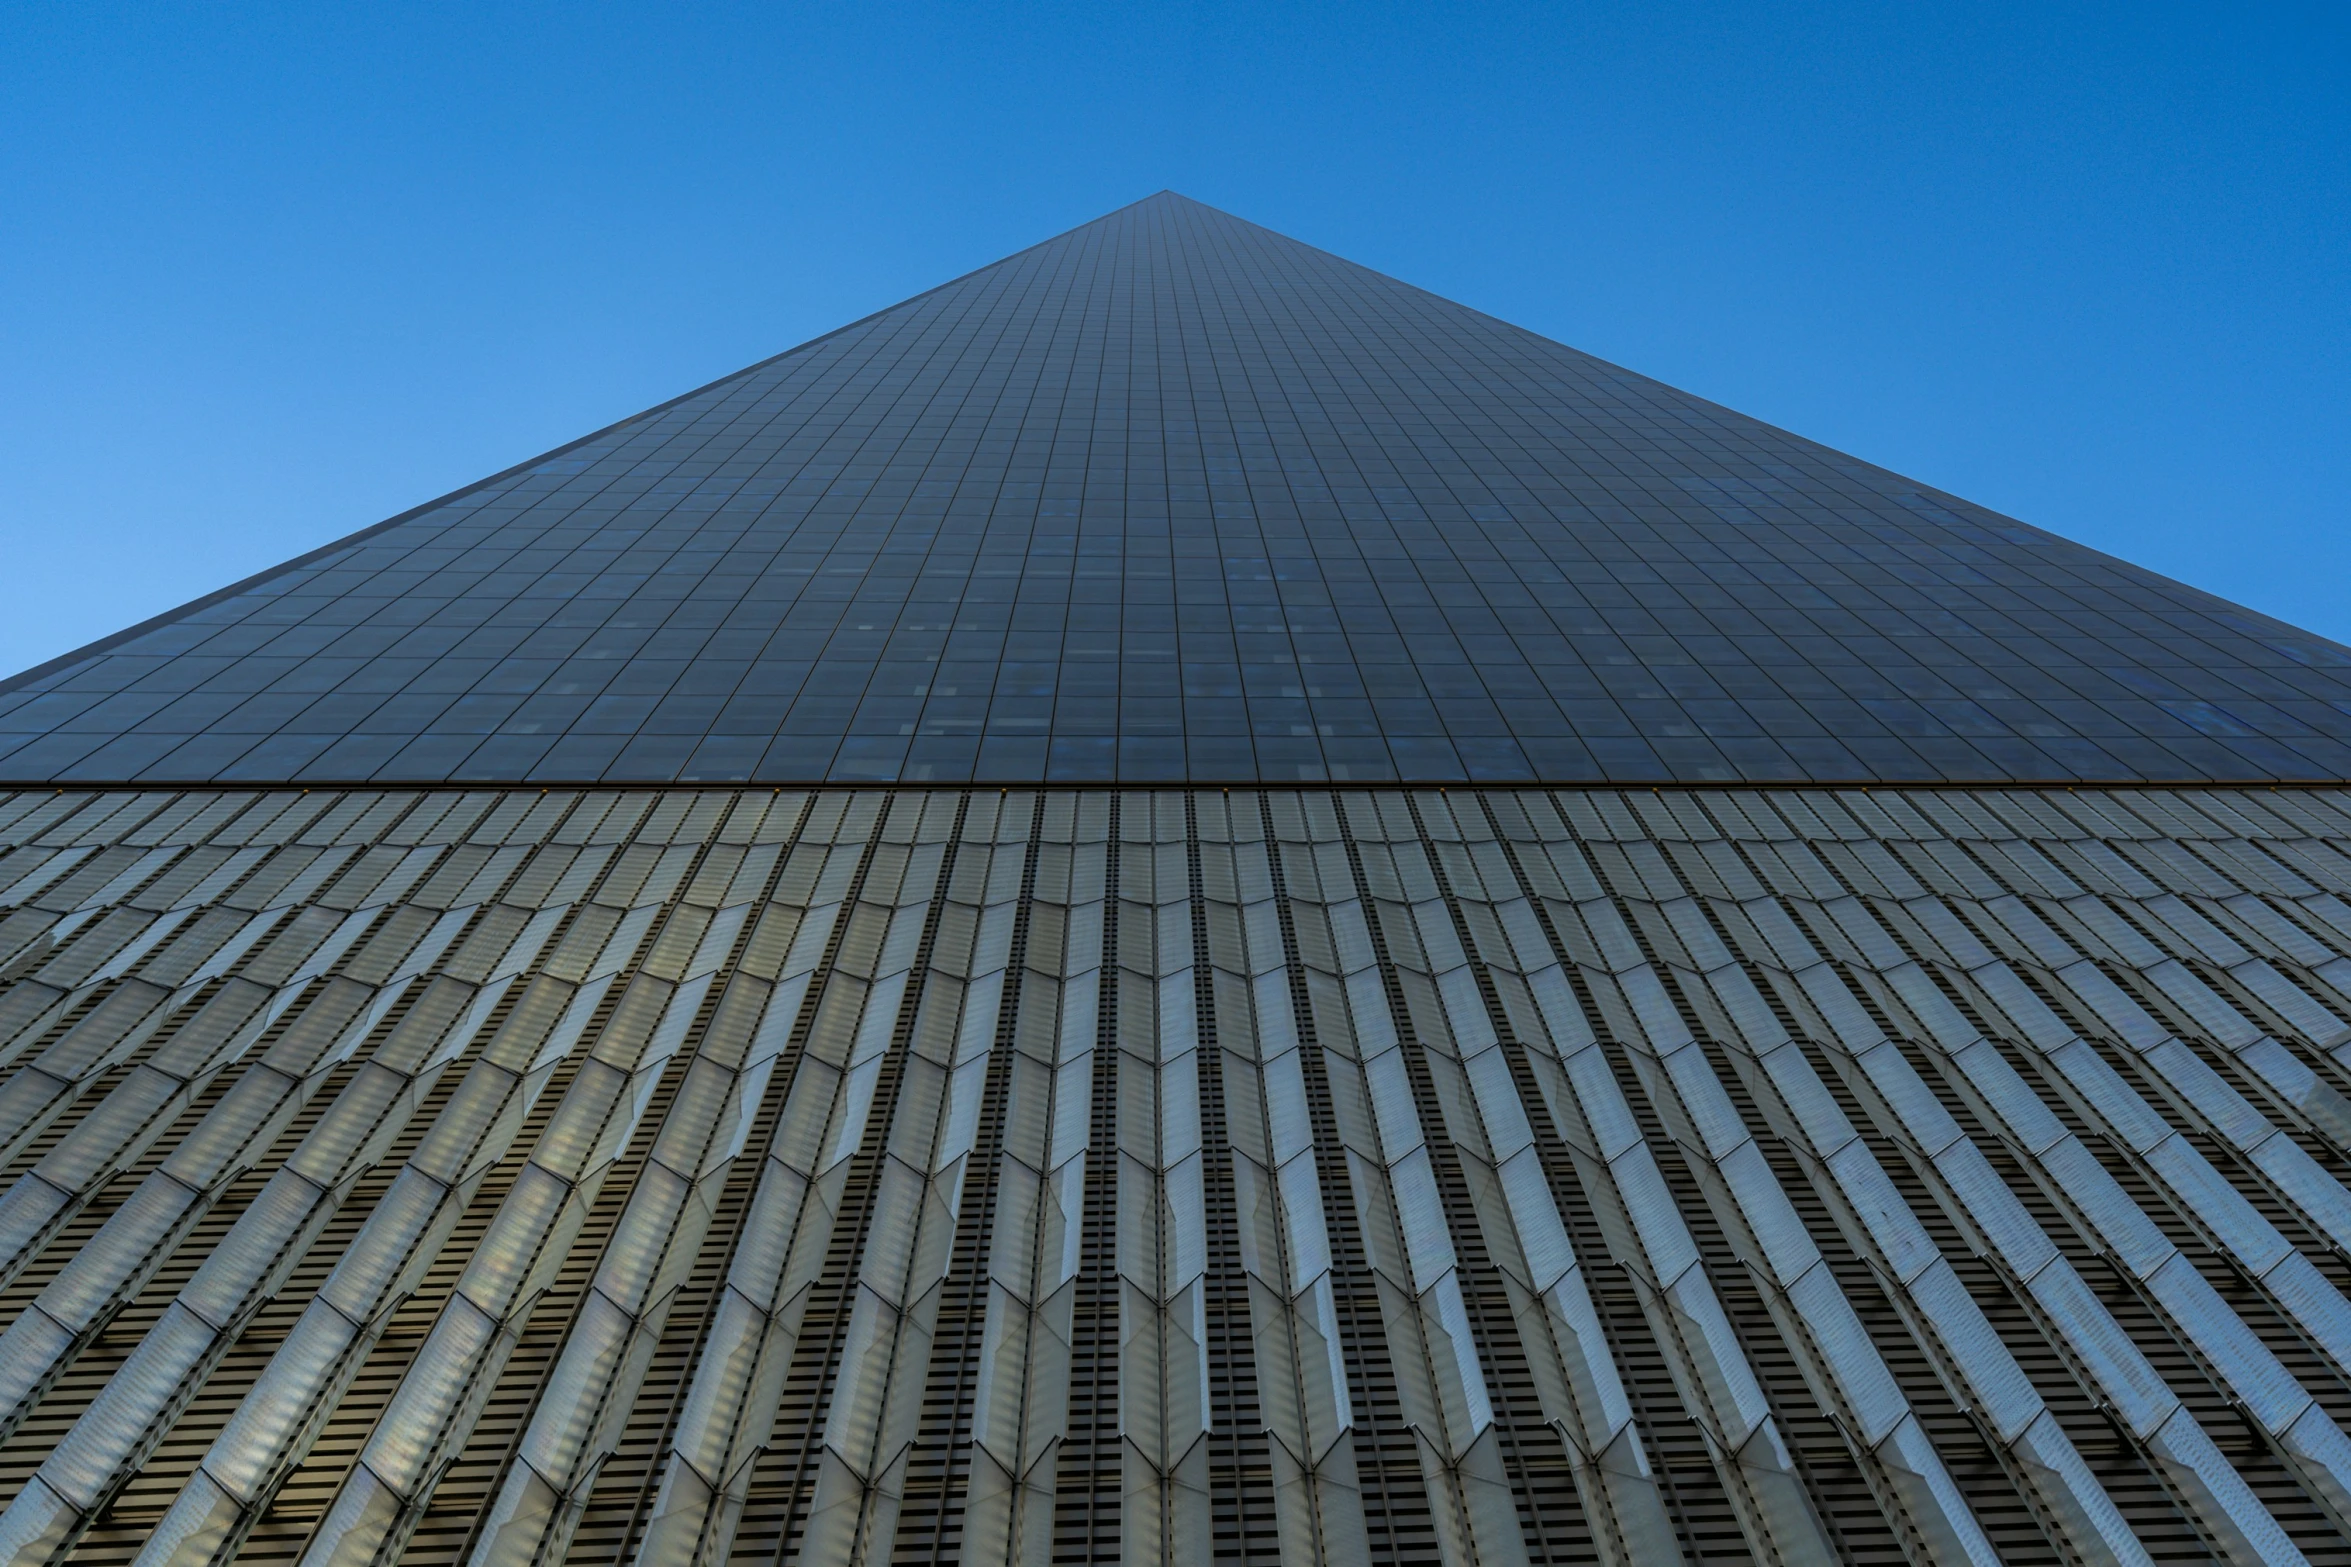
[(1178, 903)]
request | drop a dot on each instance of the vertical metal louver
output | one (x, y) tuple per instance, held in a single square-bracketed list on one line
[(915, 1176)]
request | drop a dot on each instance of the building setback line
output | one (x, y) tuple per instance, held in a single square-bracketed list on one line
[(1225, 786)]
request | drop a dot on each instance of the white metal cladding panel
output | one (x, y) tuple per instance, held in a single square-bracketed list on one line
[(929, 1175)]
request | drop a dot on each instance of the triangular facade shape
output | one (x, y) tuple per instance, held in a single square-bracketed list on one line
[(1172, 498), (425, 1145)]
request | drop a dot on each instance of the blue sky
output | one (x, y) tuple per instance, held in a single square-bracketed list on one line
[(271, 273)]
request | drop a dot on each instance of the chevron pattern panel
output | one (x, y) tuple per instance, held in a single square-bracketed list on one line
[(903, 1175)]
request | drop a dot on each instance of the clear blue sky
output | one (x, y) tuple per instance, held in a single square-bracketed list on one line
[(271, 273)]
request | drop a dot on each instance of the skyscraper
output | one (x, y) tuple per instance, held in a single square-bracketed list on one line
[(1179, 903)]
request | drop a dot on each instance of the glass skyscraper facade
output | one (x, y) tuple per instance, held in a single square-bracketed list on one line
[(1177, 903), (1175, 499)]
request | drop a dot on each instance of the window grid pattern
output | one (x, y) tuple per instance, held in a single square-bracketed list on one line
[(1397, 1176), (1172, 498)]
